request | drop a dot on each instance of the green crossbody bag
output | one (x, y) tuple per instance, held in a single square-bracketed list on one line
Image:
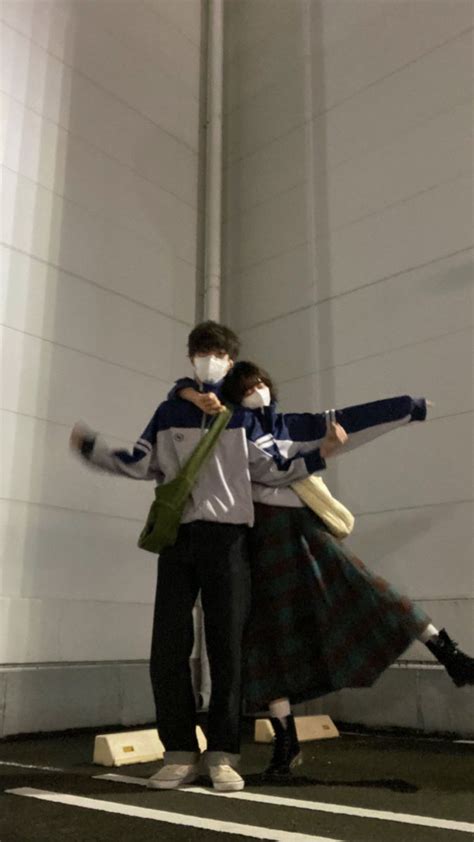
[(166, 511)]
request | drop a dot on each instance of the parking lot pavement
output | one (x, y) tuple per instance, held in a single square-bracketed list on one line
[(357, 788)]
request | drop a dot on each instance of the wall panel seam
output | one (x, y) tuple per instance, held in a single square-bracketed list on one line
[(108, 290), (302, 184), (299, 126), (87, 512), (87, 142), (97, 84), (248, 267), (359, 91), (358, 514), (383, 353), (97, 149), (414, 508), (55, 423), (110, 220), (101, 87), (344, 293), (75, 136), (89, 355), (79, 601)]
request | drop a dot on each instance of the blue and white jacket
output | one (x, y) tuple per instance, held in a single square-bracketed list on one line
[(293, 434), (223, 491)]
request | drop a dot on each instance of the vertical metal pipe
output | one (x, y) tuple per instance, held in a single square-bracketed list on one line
[(213, 238)]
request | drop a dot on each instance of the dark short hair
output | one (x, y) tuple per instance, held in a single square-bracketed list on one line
[(243, 376), (211, 336)]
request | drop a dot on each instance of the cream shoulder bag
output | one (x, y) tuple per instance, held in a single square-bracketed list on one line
[(315, 494)]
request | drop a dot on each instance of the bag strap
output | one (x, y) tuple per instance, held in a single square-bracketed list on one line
[(206, 445)]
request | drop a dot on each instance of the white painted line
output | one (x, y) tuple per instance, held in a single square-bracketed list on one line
[(121, 779), (342, 809), (317, 806), (268, 833), (29, 766), (408, 665), (465, 742)]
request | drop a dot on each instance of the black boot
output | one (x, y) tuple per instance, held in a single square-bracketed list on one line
[(286, 749), (458, 665)]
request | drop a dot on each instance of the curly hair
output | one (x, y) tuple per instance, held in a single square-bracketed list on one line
[(242, 377)]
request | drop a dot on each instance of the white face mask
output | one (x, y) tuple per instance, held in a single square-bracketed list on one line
[(258, 399), (211, 369)]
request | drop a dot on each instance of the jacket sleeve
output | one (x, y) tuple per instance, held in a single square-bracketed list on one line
[(182, 383), (362, 422), (268, 466), (140, 463), (366, 422)]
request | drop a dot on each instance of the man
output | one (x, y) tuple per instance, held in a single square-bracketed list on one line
[(210, 554)]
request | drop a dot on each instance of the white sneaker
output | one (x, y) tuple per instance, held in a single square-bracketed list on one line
[(172, 776), (226, 779)]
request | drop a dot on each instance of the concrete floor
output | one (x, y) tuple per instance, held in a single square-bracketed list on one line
[(405, 775)]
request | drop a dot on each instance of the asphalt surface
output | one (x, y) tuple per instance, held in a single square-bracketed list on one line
[(403, 775)]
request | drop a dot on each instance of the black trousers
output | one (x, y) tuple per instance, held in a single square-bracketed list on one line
[(213, 558)]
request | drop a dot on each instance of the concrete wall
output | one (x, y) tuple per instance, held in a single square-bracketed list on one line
[(100, 224), (348, 273)]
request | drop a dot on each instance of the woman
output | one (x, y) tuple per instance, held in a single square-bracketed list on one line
[(320, 619)]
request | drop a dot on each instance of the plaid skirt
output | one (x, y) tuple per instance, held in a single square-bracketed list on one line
[(320, 620)]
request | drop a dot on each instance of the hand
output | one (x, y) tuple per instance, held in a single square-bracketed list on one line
[(210, 403), (207, 402), (335, 439), (76, 439)]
